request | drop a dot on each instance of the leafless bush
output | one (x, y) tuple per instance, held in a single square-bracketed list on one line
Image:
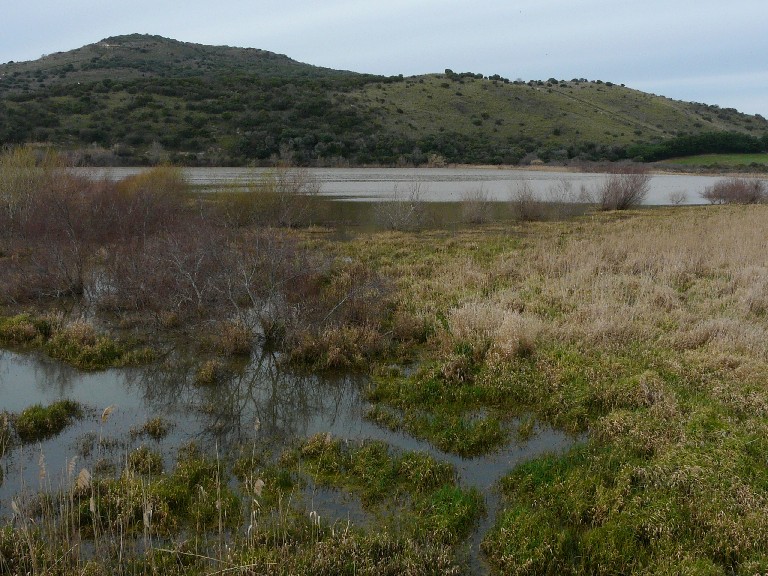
[(563, 201), (22, 176), (149, 202), (623, 188), (525, 205), (289, 194), (405, 211), (678, 197), (736, 191), (476, 206), (176, 273)]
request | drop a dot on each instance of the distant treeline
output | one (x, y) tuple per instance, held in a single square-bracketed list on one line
[(693, 145)]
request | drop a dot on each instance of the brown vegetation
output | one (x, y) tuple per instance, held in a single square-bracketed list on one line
[(624, 188), (142, 249), (737, 191)]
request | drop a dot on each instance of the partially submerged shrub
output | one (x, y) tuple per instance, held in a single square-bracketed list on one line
[(476, 206), (623, 189), (79, 344), (283, 196), (233, 339), (5, 436), (737, 191), (156, 428), (526, 205), (405, 211), (210, 372), (40, 422)]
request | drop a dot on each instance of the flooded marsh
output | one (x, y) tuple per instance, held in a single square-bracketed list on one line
[(238, 389)]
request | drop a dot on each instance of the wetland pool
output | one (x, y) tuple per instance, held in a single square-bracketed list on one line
[(260, 402)]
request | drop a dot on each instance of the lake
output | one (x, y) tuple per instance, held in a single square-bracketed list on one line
[(444, 184)]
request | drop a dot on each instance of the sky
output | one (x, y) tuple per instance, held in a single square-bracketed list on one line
[(706, 51)]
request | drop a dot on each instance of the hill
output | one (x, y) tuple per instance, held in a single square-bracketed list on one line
[(138, 99)]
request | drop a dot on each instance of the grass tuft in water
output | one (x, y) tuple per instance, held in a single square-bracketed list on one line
[(40, 422)]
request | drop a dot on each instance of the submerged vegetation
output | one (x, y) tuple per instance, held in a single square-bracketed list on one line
[(642, 333)]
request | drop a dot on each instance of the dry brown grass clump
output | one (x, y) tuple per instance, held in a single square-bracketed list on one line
[(692, 277)]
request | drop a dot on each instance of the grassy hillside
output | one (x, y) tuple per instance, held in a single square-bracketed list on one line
[(140, 99), (554, 119)]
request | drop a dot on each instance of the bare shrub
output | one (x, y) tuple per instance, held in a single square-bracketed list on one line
[(525, 205), (563, 201), (232, 339), (678, 197), (736, 191), (178, 272), (150, 201), (22, 176), (476, 206), (624, 188), (284, 196), (406, 210)]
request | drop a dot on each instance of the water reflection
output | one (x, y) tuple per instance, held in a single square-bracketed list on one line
[(258, 401), (438, 184)]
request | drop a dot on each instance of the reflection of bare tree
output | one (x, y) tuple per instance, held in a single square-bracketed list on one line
[(52, 374), (260, 401)]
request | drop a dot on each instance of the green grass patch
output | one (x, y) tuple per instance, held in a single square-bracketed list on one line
[(81, 346), (24, 329), (195, 495), (371, 469), (39, 422), (724, 160)]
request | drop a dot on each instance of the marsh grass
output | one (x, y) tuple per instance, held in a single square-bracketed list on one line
[(439, 510), (25, 329), (79, 344), (645, 330), (139, 518), (39, 422), (156, 428)]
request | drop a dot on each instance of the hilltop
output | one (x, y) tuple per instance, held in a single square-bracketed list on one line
[(136, 99)]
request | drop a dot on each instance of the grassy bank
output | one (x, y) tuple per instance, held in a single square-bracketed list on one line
[(742, 161), (647, 331)]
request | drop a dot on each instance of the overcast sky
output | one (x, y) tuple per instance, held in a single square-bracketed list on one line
[(695, 50)]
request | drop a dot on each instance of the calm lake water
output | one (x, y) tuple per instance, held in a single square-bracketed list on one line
[(444, 184)]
